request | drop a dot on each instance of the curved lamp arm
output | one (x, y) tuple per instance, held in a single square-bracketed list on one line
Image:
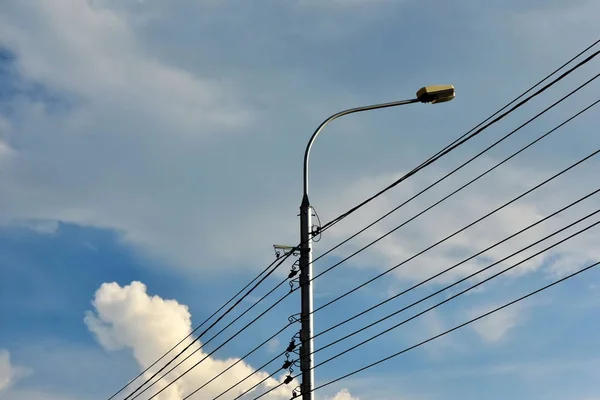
[(428, 94), (341, 114)]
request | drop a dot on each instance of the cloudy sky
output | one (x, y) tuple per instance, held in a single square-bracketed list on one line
[(150, 156)]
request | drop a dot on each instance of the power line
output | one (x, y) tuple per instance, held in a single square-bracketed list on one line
[(456, 295), (460, 167), (456, 145), (460, 281), (460, 230), (469, 225), (454, 192), (456, 327), (478, 177), (198, 327), (212, 325), (446, 176), (458, 264), (517, 98), (426, 163), (238, 361), (423, 282), (464, 186), (220, 346), (209, 340), (260, 383)]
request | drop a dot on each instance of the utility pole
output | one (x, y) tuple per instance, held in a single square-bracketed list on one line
[(428, 94), (306, 293)]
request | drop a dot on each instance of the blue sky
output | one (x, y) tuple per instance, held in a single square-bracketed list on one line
[(161, 142)]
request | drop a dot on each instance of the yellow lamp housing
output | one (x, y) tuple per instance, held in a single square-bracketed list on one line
[(436, 94)]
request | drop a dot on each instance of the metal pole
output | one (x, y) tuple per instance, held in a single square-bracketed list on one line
[(306, 292)]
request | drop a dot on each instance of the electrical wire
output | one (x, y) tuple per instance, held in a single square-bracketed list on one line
[(213, 337), (198, 327), (257, 385), (456, 327), (487, 249), (459, 167), (241, 359), (427, 162), (460, 281), (457, 144), (212, 325), (454, 171), (516, 99), (478, 177), (461, 141), (464, 228), (421, 283), (220, 346), (459, 231), (457, 294)]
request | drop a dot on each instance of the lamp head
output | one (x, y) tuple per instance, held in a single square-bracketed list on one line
[(436, 94)]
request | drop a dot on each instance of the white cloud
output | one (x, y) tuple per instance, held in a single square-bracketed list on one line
[(127, 317), (495, 327), (127, 151), (9, 373), (343, 394), (6, 370), (126, 117), (273, 345)]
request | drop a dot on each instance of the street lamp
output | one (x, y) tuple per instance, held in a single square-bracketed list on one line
[(427, 94)]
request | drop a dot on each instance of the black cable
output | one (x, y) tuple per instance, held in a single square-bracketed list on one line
[(455, 328), (460, 166), (457, 264), (448, 237), (257, 385), (240, 360), (451, 173), (478, 177), (481, 175), (452, 285), (497, 142), (212, 325), (246, 377), (458, 139), (428, 162), (446, 149), (220, 346), (487, 249), (209, 340), (515, 100), (459, 231), (458, 282), (196, 329), (455, 145)]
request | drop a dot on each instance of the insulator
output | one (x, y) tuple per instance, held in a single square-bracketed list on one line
[(288, 379), (293, 273), (286, 364), (291, 346), (297, 392)]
